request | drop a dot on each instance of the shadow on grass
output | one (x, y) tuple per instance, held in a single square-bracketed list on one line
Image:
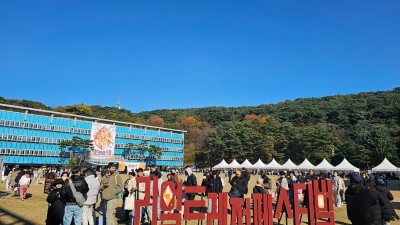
[(14, 219)]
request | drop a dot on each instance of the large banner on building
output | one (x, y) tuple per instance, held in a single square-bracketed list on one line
[(103, 137)]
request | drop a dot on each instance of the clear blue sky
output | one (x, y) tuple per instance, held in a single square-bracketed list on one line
[(185, 54)]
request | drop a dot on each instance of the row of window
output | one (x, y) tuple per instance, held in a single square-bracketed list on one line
[(29, 139), (29, 152), (164, 149), (35, 126), (138, 157)]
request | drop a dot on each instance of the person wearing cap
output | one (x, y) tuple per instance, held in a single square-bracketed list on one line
[(55, 211), (111, 185), (387, 209), (363, 204), (213, 185)]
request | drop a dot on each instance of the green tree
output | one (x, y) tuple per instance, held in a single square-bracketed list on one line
[(77, 148), (143, 147)]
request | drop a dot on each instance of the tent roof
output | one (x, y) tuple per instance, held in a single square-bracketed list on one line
[(259, 165), (223, 164), (273, 165), (305, 165), (289, 165), (385, 166), (246, 164), (324, 165), (234, 164), (345, 166)]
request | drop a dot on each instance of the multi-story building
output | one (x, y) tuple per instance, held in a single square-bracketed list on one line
[(32, 136)]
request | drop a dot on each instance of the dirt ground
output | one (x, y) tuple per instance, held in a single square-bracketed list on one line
[(13, 211)]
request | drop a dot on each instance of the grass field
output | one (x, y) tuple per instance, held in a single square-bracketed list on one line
[(13, 211)]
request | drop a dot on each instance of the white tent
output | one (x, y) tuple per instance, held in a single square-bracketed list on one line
[(324, 165), (246, 164), (385, 166), (273, 165), (345, 166), (222, 165), (289, 165), (234, 164), (259, 165), (305, 165)]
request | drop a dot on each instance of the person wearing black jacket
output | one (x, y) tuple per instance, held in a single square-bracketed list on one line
[(387, 209), (246, 177), (72, 209), (55, 212), (213, 184), (363, 204), (239, 182), (259, 188), (190, 181)]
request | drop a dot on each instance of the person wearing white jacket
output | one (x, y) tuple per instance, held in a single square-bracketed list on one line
[(94, 188), (24, 183)]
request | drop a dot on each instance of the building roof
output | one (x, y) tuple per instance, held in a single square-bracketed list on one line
[(83, 118)]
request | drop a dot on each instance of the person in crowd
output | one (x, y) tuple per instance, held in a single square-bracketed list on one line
[(267, 183), (140, 194), (342, 188), (259, 187), (229, 175), (102, 206), (129, 190), (55, 211), (7, 173), (336, 189), (111, 185), (90, 203), (72, 209), (39, 176), (363, 204), (246, 177), (156, 174), (176, 176), (24, 183), (191, 180), (213, 184), (291, 181), (234, 192), (311, 176), (20, 174), (387, 210), (65, 176), (282, 182), (239, 182)]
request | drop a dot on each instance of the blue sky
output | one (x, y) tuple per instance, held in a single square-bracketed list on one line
[(189, 54)]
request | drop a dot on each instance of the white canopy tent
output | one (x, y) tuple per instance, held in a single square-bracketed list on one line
[(259, 165), (222, 165), (246, 164), (385, 166), (305, 165), (346, 166), (288, 165), (234, 164), (324, 165), (273, 165)]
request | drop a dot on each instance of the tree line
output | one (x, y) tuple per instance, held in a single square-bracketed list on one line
[(364, 128)]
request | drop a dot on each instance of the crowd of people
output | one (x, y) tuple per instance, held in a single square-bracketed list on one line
[(75, 193)]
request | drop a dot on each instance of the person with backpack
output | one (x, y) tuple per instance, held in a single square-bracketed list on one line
[(239, 182), (74, 192), (112, 189), (363, 204)]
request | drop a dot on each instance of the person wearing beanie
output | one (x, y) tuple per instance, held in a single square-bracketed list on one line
[(363, 204), (55, 212), (387, 210)]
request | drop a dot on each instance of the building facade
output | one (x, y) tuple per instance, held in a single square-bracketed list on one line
[(32, 137)]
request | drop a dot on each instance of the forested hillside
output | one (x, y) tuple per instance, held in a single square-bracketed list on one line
[(363, 127)]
